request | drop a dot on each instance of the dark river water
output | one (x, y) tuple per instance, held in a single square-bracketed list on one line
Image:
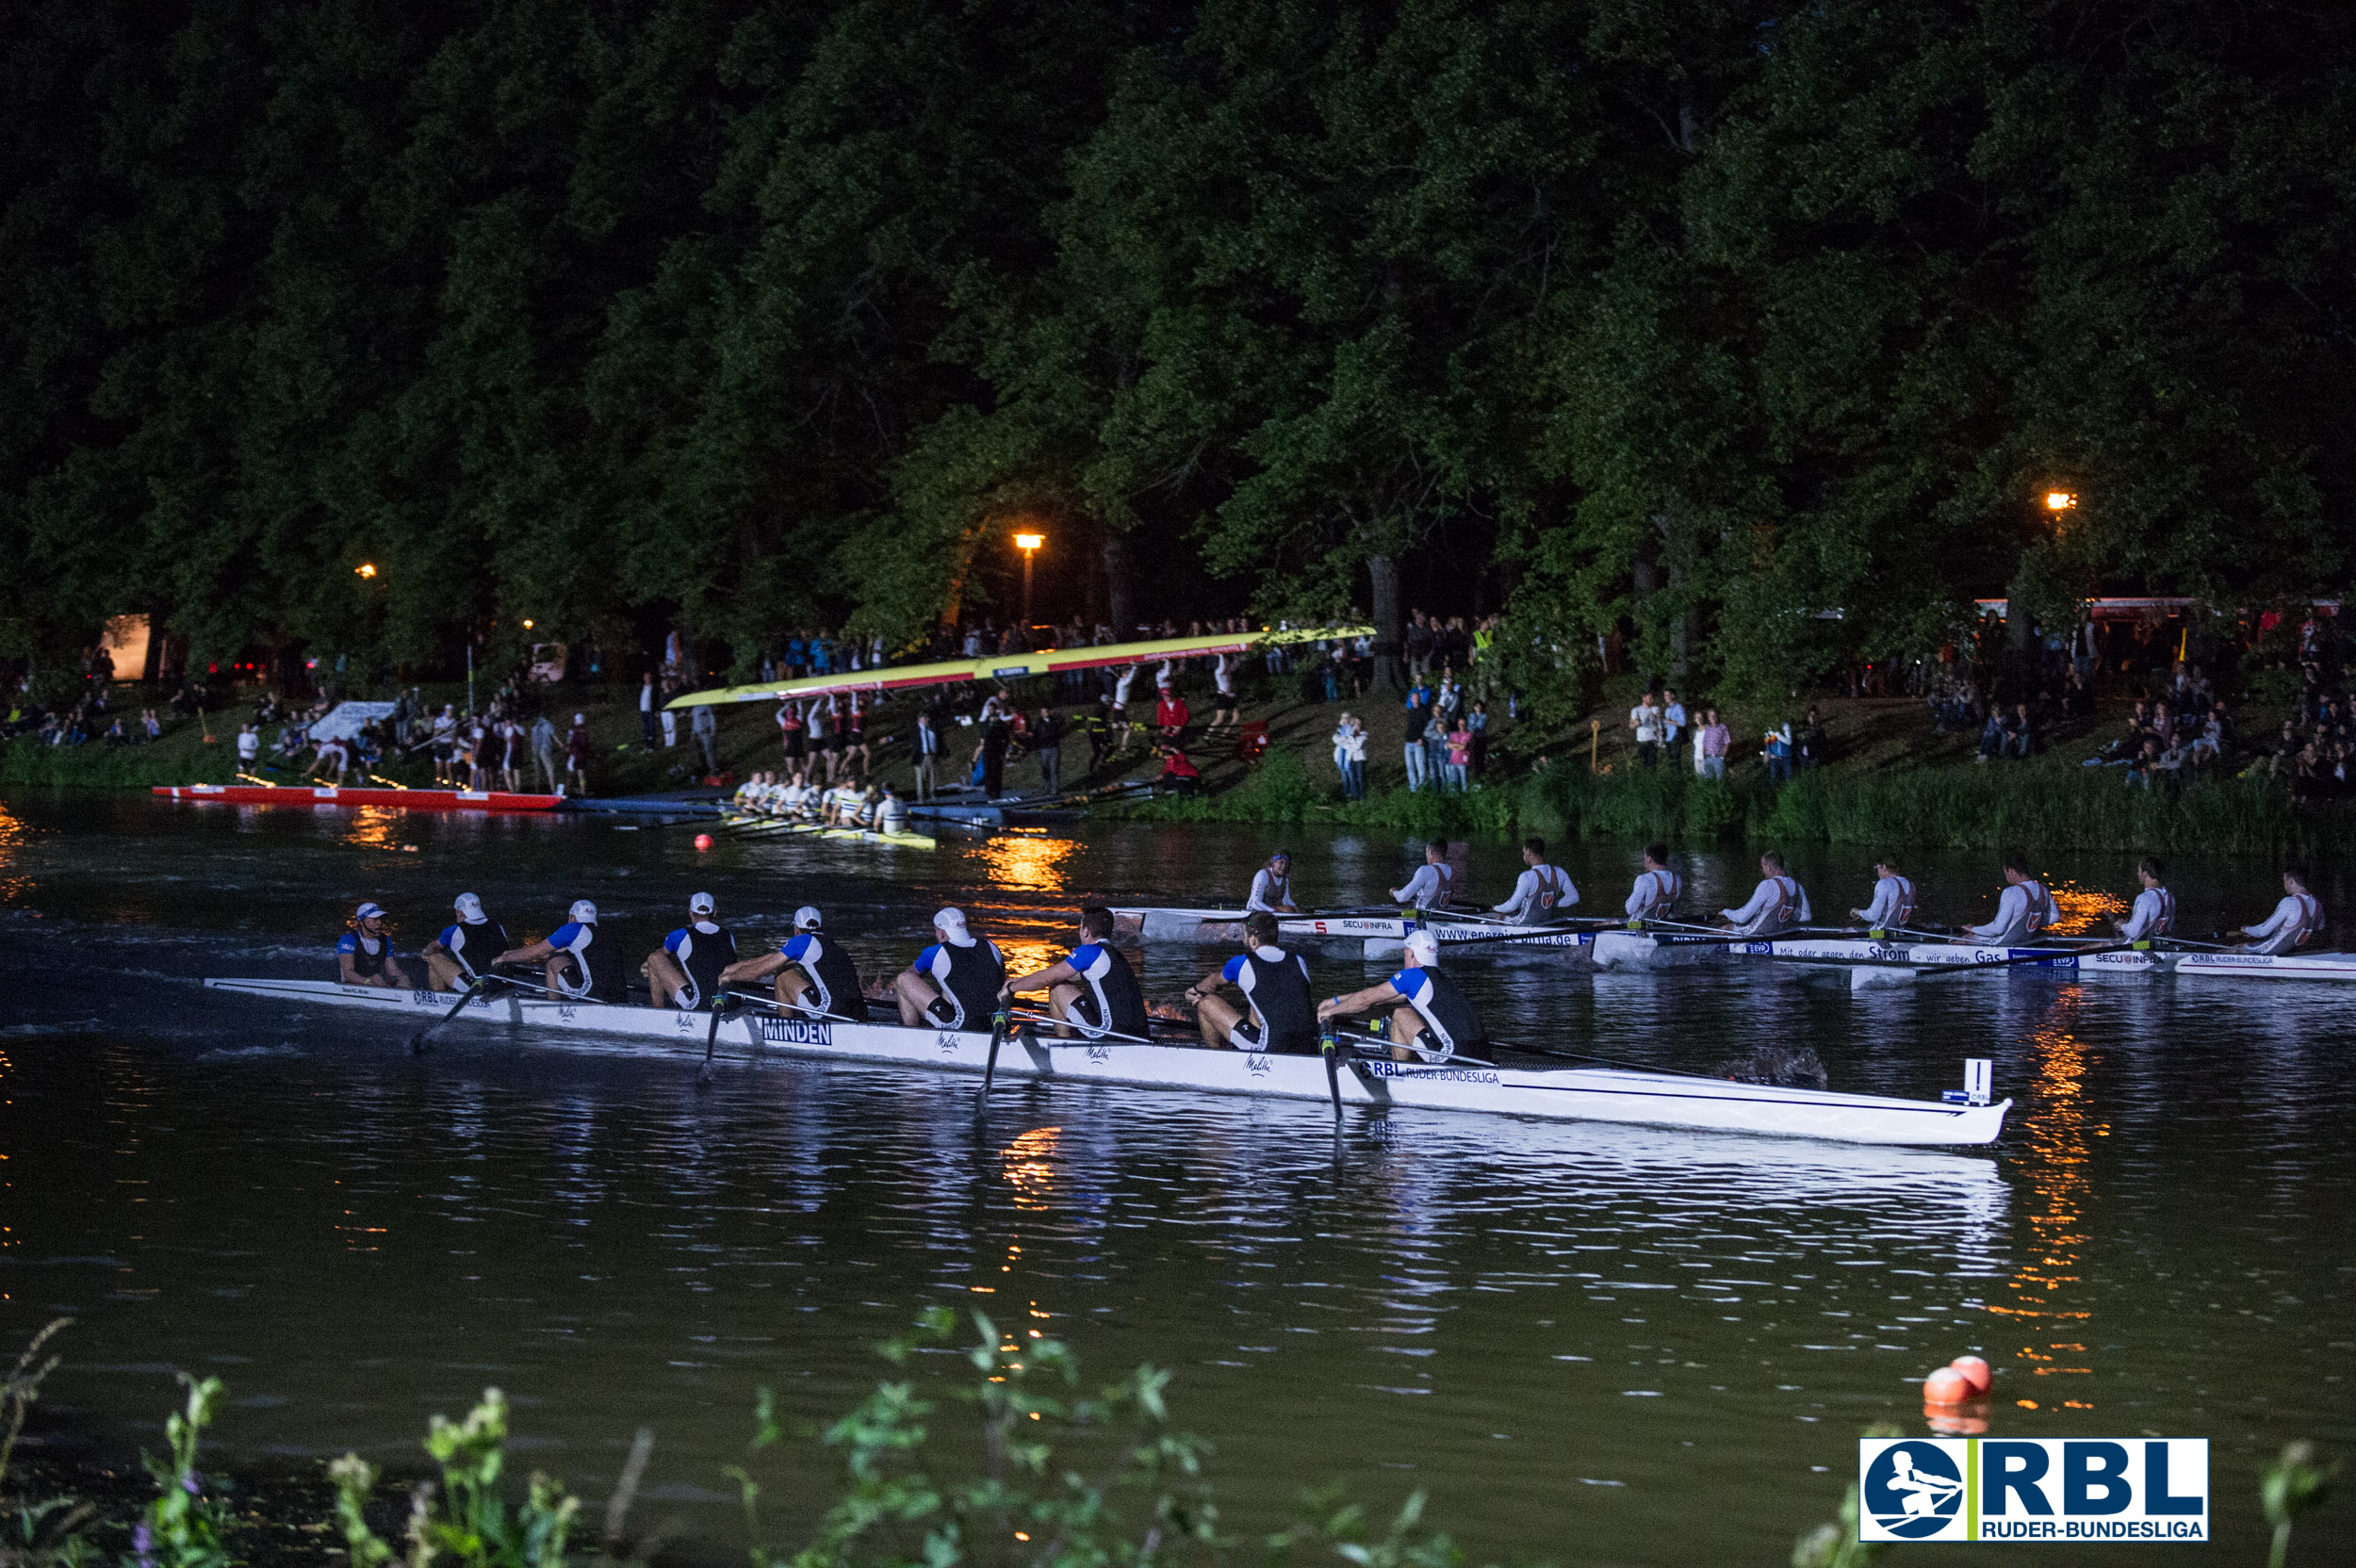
[(1589, 1344)]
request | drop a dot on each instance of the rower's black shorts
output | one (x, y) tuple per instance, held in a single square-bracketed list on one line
[(939, 1010), (1083, 1012), (1247, 1035)]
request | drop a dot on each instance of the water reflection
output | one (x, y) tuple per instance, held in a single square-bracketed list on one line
[(371, 827), (2081, 907), (2045, 1298), (1023, 864)]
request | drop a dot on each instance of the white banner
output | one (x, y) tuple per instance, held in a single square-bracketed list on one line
[(344, 720)]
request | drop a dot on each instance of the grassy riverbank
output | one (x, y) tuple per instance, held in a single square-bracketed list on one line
[(1891, 781)]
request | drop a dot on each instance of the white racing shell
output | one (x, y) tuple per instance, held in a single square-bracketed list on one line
[(1580, 1094)]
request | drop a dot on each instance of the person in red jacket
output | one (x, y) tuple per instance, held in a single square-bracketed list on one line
[(1171, 716), (1177, 773)]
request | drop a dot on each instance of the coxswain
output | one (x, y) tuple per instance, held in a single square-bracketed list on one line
[(1429, 887), (1275, 986), (1892, 904), (1091, 991), (1543, 892), (2299, 917), (685, 971), (364, 955), (1437, 1017), (815, 977), (2155, 914), (2022, 910), (1657, 889), (575, 968), (955, 982), (1273, 887), (461, 954), (1776, 905)]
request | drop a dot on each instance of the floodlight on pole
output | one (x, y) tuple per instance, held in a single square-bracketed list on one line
[(1028, 543), (2059, 500)]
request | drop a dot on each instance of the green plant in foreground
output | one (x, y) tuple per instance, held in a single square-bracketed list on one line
[(2293, 1485), (186, 1527), (46, 1532), (1139, 1499), (471, 1523)]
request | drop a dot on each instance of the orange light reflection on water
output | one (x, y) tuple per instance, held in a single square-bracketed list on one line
[(372, 826), (2059, 1133), (1030, 1162), (11, 839), (2081, 907), (1023, 864)]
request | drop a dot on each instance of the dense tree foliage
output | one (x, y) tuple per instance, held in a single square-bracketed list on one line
[(1693, 318)]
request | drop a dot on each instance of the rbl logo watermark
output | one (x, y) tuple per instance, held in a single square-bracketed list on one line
[(2086, 1489)]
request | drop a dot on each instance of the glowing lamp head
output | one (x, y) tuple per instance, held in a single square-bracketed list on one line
[(2059, 500), (526, 626), (366, 568), (1028, 542)]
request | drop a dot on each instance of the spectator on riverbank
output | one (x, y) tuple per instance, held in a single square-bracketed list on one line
[(249, 746), (580, 750), (1477, 722), (1673, 720), (1710, 742), (1411, 749), (705, 726), (1808, 741), (1350, 757), (1459, 764), (1645, 720), (1779, 753)]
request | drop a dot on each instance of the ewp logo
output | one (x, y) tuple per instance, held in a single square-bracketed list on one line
[(1914, 1491)]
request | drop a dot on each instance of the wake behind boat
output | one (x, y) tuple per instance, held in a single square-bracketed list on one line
[(1580, 1094)]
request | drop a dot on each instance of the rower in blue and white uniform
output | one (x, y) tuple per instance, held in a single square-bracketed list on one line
[(2299, 917), (1275, 986), (953, 983), (2155, 914), (891, 812), (576, 967), (684, 973), (815, 977), (1273, 887), (2023, 911), (1892, 904), (1437, 1019), (1775, 906), (1542, 892), (1657, 889), (1433, 881), (462, 953), (364, 955), (1092, 991)]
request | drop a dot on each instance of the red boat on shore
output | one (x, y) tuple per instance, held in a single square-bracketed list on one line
[(328, 795)]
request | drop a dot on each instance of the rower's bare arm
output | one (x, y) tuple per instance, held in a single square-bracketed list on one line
[(1054, 975), (753, 969), (537, 952), (1359, 1001)]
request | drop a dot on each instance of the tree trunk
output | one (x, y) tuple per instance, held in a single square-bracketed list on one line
[(1119, 606), (1383, 571), (2019, 642)]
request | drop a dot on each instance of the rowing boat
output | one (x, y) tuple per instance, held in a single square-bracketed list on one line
[(1901, 954), (2262, 966), (820, 830), (1375, 936), (1575, 1094), (330, 794)]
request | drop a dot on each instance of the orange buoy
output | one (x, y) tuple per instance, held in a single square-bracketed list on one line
[(1945, 1386), (1976, 1375), (703, 840)]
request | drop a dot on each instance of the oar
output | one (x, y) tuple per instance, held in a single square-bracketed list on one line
[(1331, 1050), (998, 1023), (1100, 1036), (712, 1040), (417, 1041)]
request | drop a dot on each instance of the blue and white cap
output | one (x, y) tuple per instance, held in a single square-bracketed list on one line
[(1423, 949), (807, 918), (368, 911), (469, 908), (582, 911), (702, 903)]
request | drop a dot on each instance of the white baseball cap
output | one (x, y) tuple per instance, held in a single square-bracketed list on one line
[(1423, 948), (368, 911), (807, 918), (702, 903), (468, 906), (950, 923), (584, 911)]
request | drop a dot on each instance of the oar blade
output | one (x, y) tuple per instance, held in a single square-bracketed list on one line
[(711, 1038), (1331, 1049), (998, 1023), (418, 1042)]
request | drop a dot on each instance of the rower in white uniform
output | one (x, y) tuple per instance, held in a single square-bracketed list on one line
[(1892, 904), (1776, 905), (1657, 889), (2155, 914), (1541, 893), (2023, 910), (2299, 917), (1273, 887), (1429, 889)]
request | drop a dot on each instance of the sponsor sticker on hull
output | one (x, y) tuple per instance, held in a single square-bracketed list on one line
[(796, 1031)]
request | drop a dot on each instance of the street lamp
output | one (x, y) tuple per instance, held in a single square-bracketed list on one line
[(366, 568), (2058, 501), (1028, 543)]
